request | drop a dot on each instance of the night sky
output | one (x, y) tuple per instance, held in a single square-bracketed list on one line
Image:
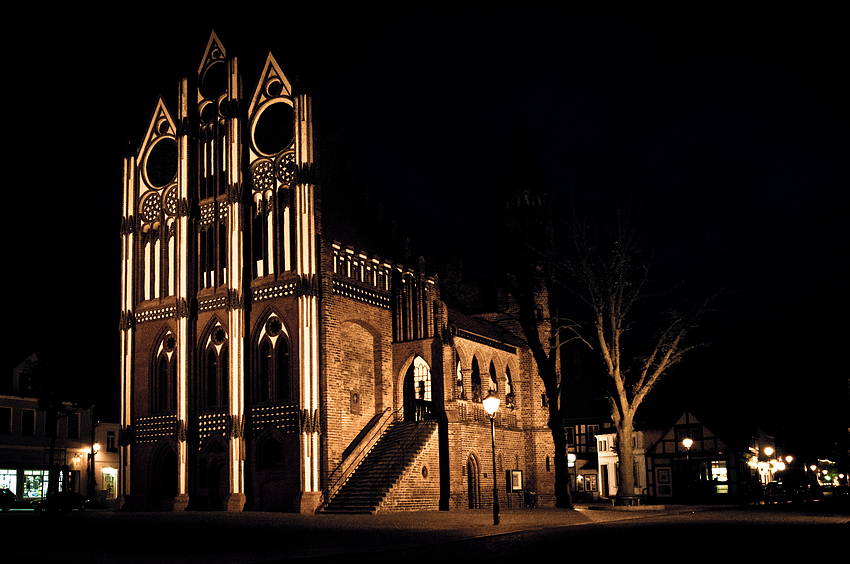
[(728, 129)]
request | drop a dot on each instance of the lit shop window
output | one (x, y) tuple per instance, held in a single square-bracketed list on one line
[(37, 482), (110, 482), (9, 479)]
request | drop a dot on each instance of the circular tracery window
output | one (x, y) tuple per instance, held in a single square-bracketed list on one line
[(274, 326), (151, 206), (263, 176), (273, 128), (219, 335), (161, 164), (286, 168), (171, 201)]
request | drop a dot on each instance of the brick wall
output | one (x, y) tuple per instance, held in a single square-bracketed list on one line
[(356, 358), (418, 488)]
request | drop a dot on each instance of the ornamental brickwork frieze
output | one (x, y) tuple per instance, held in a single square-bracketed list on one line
[(127, 321), (128, 225), (310, 422), (234, 299), (181, 431), (236, 426)]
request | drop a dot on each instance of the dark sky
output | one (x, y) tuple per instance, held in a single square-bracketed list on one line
[(730, 130)]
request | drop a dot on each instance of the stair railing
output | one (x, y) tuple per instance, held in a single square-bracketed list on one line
[(393, 469), (357, 451)]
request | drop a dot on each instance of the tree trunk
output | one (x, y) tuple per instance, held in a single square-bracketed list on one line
[(626, 453), (563, 497)]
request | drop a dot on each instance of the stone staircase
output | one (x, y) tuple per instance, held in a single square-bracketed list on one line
[(369, 484)]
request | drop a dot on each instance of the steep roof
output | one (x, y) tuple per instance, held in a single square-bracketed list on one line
[(482, 330)]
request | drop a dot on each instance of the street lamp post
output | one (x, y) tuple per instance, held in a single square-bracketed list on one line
[(92, 477), (687, 443), (491, 406)]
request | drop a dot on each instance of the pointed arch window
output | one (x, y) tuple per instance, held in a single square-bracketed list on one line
[(460, 392), (510, 397), (494, 380), (213, 387), (273, 375), (164, 388), (476, 381), (271, 454), (212, 245), (417, 391)]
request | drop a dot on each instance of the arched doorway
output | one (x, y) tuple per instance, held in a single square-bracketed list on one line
[(165, 478), (473, 484), (418, 398), (213, 475)]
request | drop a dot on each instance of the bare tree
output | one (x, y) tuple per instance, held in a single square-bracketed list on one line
[(542, 331), (50, 382), (610, 277), (527, 273)]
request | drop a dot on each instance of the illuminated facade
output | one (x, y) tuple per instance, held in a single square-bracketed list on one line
[(25, 447), (261, 359), (710, 468)]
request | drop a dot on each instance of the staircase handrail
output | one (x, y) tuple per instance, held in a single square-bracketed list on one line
[(392, 471), (348, 464)]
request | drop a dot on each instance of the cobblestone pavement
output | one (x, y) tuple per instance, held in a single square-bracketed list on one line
[(250, 537)]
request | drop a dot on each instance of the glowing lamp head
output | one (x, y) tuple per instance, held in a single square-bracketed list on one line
[(95, 448), (768, 450), (491, 403), (688, 443)]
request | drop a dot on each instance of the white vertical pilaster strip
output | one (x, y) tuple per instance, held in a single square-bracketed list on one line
[(286, 251), (157, 261), (236, 321), (126, 328), (269, 229), (306, 268), (147, 270), (182, 290)]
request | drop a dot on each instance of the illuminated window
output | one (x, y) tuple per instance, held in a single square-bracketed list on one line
[(37, 482), (422, 379), (110, 482), (9, 479), (417, 391), (718, 471)]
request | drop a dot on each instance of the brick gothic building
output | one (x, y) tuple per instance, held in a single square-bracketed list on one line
[(261, 360)]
